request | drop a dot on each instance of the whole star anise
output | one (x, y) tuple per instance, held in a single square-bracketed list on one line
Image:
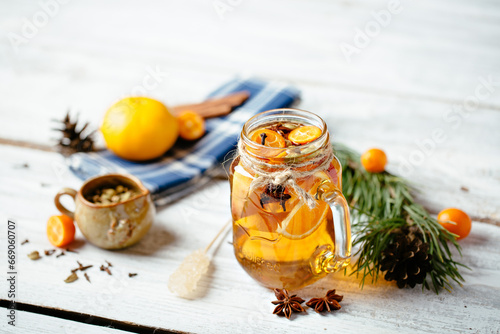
[(287, 304), (329, 302)]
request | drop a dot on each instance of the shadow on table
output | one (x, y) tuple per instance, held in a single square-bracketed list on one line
[(158, 237)]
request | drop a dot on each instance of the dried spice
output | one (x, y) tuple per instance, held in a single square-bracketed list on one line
[(24, 165), (106, 269), (109, 263), (49, 252), (71, 250), (132, 274), (87, 277), (274, 194), (25, 242), (109, 195), (71, 278), (73, 140), (287, 304), (61, 254), (81, 267), (329, 303), (34, 255), (263, 137)]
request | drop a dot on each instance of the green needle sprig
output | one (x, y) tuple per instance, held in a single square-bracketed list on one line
[(381, 205)]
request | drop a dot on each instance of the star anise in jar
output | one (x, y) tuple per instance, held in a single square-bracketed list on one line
[(274, 194), (329, 302), (287, 304)]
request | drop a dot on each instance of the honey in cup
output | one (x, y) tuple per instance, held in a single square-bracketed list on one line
[(279, 239)]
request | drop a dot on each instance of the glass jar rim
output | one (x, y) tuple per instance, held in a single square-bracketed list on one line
[(298, 113)]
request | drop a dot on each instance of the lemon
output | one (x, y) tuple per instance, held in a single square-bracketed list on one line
[(139, 128)]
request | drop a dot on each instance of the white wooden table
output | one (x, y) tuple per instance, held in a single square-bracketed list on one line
[(425, 87)]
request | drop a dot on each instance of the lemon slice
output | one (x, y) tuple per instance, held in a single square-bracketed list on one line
[(302, 221)]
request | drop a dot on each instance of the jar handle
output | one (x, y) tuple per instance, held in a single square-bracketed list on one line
[(59, 206), (342, 225)]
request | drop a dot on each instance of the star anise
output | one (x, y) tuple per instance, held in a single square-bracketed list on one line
[(287, 304), (273, 194), (329, 302)]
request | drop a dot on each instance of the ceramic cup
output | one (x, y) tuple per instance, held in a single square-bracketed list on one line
[(111, 226)]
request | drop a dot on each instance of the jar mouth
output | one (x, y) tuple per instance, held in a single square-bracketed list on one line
[(283, 115)]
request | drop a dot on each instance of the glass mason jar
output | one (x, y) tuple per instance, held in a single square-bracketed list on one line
[(279, 238)]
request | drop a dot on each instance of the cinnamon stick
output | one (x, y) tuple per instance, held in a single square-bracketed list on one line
[(214, 107)]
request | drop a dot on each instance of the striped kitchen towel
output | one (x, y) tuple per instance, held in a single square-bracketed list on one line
[(184, 169)]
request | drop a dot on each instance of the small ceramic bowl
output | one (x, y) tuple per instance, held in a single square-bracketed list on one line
[(111, 226)]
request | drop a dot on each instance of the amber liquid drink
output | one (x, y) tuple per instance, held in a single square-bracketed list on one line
[(280, 238)]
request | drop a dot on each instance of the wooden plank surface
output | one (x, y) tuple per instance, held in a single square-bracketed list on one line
[(416, 77), (33, 323), (229, 301)]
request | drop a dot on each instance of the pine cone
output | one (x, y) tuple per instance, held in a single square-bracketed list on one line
[(406, 259), (73, 140)]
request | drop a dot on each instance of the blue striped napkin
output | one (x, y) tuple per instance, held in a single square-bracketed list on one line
[(184, 169)]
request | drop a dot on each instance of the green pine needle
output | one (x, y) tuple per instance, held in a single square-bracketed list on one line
[(381, 204)]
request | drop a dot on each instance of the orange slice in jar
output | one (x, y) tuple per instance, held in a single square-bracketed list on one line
[(268, 137), (304, 134)]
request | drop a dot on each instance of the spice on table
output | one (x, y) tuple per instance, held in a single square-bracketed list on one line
[(106, 269), (24, 165), (34, 255), (49, 252), (464, 189), (71, 250), (25, 242), (329, 302), (214, 107), (87, 277), (81, 267), (71, 278), (132, 274), (109, 263), (287, 304), (61, 254)]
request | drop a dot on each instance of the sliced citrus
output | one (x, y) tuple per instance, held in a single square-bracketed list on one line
[(304, 134), (239, 189), (268, 137), (60, 230), (303, 221)]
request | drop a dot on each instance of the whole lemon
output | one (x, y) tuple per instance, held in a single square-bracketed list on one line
[(139, 128)]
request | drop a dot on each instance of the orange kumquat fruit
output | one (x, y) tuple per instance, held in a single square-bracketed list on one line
[(304, 134), (60, 230), (374, 160), (455, 221), (191, 125), (268, 138)]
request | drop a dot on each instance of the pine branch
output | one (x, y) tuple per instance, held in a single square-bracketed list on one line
[(382, 204)]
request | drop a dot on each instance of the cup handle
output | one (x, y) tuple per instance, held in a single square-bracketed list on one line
[(60, 207), (342, 225)]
